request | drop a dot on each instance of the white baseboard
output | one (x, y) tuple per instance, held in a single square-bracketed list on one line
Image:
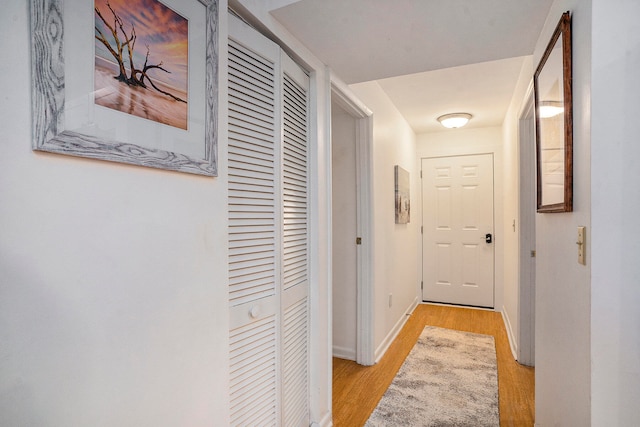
[(344, 353), (326, 421), (384, 346), (513, 342)]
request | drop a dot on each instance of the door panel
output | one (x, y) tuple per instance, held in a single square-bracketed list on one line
[(268, 233), (295, 245), (457, 197), (254, 240)]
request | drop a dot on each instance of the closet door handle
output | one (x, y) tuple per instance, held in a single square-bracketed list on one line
[(254, 312)]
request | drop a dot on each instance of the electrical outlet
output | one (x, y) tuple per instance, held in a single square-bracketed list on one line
[(390, 300)]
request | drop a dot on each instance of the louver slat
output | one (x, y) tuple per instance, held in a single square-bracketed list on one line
[(295, 253), (253, 373), (252, 198), (295, 364), (294, 180)]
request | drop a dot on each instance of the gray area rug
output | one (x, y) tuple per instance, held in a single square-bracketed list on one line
[(450, 378)]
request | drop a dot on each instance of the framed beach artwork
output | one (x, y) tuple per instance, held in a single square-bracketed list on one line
[(403, 203), (132, 81)]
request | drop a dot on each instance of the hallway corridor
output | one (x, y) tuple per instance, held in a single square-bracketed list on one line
[(357, 389)]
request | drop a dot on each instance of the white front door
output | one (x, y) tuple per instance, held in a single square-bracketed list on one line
[(457, 239)]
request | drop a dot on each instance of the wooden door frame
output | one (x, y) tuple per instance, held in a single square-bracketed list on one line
[(340, 93)]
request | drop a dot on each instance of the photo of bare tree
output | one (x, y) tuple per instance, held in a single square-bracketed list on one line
[(141, 60), (403, 203)]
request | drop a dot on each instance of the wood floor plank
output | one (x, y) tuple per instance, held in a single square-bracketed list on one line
[(357, 389)]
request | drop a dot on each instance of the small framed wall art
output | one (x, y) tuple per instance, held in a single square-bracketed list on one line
[(403, 202)]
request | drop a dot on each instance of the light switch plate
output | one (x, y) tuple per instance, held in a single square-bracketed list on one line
[(582, 245)]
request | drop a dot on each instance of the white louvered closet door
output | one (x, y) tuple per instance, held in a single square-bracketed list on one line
[(268, 233), (295, 243)]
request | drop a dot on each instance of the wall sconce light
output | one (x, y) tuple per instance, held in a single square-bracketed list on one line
[(550, 109), (454, 120)]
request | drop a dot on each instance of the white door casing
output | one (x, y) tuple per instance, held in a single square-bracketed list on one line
[(457, 207), (527, 233), (340, 93), (344, 232)]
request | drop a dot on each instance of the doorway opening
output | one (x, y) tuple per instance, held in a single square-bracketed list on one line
[(352, 227)]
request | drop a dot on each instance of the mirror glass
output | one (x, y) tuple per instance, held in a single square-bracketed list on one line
[(554, 122), (551, 123)]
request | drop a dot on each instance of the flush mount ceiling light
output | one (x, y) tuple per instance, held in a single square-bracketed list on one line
[(454, 120), (551, 109)]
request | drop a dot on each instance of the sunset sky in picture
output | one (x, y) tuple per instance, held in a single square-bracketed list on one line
[(156, 26)]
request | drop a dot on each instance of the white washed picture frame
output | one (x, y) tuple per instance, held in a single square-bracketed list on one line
[(48, 79)]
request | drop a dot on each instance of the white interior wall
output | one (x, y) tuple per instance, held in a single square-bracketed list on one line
[(563, 297), (113, 293), (457, 142), (615, 201), (343, 224), (511, 177), (395, 260)]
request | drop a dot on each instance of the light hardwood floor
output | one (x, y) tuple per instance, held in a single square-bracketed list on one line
[(357, 389)]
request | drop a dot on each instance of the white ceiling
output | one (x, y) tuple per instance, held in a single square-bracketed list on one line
[(484, 90), (431, 57)]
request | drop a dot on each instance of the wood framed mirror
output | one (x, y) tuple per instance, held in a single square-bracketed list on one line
[(554, 122)]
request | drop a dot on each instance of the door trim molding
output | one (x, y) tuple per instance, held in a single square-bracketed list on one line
[(340, 92), (526, 236)]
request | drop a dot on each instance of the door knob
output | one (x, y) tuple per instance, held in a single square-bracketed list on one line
[(254, 312), (488, 238)]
